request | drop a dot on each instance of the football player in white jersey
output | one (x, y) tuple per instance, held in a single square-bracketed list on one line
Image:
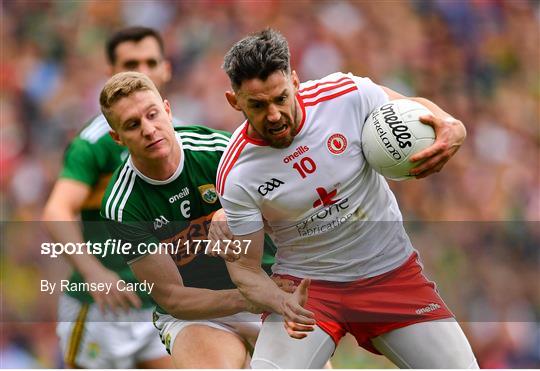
[(296, 167)]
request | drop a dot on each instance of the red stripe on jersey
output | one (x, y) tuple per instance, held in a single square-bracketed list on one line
[(221, 189), (328, 88), (256, 141), (303, 108), (226, 158), (328, 97), (324, 83)]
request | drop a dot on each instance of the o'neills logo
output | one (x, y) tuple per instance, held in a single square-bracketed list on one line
[(382, 134), (295, 154), (183, 193), (337, 143), (399, 129), (430, 308)]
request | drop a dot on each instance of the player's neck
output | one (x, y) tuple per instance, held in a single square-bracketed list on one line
[(252, 133), (161, 168)]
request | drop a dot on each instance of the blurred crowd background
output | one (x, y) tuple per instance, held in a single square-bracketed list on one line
[(476, 224)]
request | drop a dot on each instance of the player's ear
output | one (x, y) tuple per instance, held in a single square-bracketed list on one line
[(231, 98), (295, 81), (167, 106), (116, 137)]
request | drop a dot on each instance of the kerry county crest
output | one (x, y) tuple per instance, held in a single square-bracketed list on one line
[(208, 193)]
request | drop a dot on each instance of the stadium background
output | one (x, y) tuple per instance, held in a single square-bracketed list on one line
[(475, 224)]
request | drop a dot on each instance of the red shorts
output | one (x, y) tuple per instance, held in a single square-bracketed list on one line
[(370, 307)]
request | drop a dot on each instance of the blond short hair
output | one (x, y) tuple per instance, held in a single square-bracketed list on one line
[(123, 85)]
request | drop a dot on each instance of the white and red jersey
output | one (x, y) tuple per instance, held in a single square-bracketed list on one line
[(330, 214)]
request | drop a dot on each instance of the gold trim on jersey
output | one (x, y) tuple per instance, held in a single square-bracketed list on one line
[(93, 201), (76, 336)]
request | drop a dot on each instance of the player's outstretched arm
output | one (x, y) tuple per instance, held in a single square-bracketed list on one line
[(61, 216), (220, 231), (180, 301), (258, 288), (450, 134)]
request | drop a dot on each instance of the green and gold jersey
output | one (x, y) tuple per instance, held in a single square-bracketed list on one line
[(146, 213), (91, 158)]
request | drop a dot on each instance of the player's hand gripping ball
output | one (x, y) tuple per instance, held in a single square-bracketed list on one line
[(392, 134)]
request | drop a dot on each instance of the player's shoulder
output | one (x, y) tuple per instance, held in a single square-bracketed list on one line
[(94, 138), (335, 77), (198, 138), (338, 87), (334, 80), (94, 145), (94, 130), (201, 131), (335, 85)]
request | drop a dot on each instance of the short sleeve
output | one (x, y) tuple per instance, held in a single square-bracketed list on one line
[(80, 163), (243, 217), (371, 95)]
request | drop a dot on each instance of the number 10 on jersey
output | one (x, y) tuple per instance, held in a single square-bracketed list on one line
[(305, 166)]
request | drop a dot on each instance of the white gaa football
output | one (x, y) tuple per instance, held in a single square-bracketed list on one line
[(392, 133)]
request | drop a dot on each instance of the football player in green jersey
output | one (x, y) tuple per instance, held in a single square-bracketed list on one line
[(160, 203), (93, 328)]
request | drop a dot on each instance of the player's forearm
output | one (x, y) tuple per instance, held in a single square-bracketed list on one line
[(180, 301), (64, 228), (85, 264), (439, 112), (458, 127), (257, 287), (194, 303)]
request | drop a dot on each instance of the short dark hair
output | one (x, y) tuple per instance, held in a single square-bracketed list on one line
[(136, 33), (257, 56)]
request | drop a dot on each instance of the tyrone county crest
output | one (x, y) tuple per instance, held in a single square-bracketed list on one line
[(208, 193), (337, 143)]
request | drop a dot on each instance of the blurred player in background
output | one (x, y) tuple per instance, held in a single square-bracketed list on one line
[(165, 193), (99, 330), (296, 165)]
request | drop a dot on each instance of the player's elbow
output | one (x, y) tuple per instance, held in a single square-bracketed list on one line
[(177, 305), (237, 275), (243, 279), (50, 212), (55, 211), (181, 310), (170, 303)]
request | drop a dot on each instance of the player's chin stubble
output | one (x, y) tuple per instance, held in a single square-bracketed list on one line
[(293, 125)]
